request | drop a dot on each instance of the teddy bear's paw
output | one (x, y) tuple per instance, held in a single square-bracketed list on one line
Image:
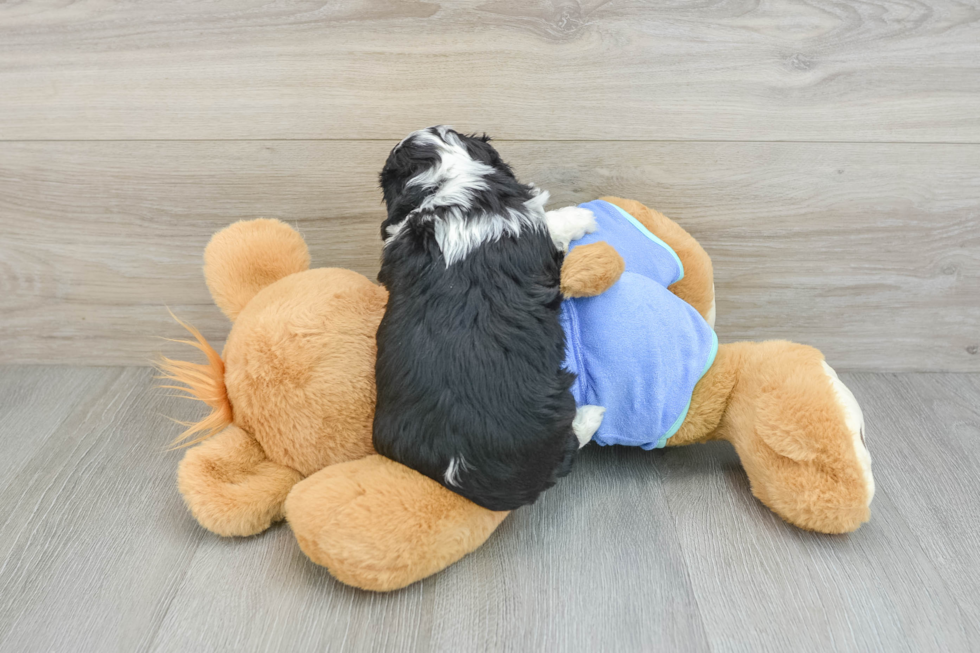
[(803, 449), (586, 423), (569, 224), (854, 419)]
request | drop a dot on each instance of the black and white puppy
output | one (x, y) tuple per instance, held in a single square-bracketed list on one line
[(471, 390)]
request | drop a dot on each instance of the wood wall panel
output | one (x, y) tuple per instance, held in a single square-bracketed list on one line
[(813, 70), (870, 252)]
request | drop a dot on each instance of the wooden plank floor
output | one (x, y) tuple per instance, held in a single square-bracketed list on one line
[(634, 551)]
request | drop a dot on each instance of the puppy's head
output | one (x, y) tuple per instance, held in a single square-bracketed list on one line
[(442, 174)]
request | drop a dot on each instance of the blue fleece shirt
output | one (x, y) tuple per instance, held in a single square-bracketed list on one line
[(637, 349)]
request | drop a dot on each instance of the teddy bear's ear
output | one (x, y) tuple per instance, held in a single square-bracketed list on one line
[(247, 256)]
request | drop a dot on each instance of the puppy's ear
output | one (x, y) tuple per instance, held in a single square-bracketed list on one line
[(394, 173), (405, 161), (480, 149)]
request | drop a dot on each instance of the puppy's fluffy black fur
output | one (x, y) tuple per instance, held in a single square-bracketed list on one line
[(471, 390)]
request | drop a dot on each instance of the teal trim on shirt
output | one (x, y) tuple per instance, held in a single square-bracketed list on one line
[(662, 442), (649, 234), (637, 349)]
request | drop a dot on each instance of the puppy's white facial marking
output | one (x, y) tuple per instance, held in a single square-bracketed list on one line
[(569, 224), (586, 423), (454, 469), (456, 179), (457, 176)]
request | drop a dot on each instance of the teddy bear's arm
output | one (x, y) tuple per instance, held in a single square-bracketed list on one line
[(590, 270), (231, 487)]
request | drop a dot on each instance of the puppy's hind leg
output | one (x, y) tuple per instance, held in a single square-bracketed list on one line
[(586, 423)]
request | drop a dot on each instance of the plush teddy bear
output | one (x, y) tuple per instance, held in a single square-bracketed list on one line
[(292, 399)]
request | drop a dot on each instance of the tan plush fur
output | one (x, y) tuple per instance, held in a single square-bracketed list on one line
[(231, 487), (590, 270), (297, 375), (774, 403), (790, 435), (202, 382), (297, 371), (300, 367), (239, 262), (416, 526)]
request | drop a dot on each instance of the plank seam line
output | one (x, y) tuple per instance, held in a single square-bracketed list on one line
[(496, 140)]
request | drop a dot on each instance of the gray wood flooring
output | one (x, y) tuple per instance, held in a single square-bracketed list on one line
[(634, 551)]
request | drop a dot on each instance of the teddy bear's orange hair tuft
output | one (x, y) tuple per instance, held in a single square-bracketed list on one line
[(201, 382)]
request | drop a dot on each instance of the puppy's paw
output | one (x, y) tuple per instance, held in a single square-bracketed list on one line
[(586, 423), (568, 224)]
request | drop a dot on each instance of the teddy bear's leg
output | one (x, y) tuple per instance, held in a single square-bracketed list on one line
[(798, 432), (231, 487), (711, 398), (378, 525), (697, 287)]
